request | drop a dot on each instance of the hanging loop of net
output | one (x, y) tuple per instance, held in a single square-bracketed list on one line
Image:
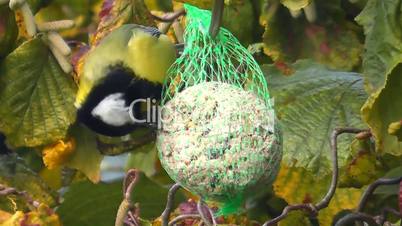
[(221, 59), (217, 16)]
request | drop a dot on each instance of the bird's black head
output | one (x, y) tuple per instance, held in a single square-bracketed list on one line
[(107, 107)]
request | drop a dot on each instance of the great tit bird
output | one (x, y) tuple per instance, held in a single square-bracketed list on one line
[(129, 64)]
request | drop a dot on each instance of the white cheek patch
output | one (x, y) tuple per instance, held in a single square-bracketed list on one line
[(112, 111)]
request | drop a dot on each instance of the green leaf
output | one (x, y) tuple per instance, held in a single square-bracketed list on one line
[(381, 21), (240, 19), (310, 104), (86, 157), (295, 4), (86, 204), (36, 96), (15, 173), (144, 159), (383, 108), (8, 30), (331, 41)]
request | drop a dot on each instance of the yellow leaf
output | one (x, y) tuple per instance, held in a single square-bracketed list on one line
[(295, 218), (344, 199), (4, 216), (14, 220), (22, 31), (298, 185), (43, 216), (58, 153)]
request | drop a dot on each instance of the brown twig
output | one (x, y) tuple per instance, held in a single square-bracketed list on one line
[(132, 218), (359, 217), (170, 17), (313, 209), (204, 218), (354, 217), (131, 179), (169, 204), (183, 217), (113, 149), (335, 171), (6, 191), (211, 213), (371, 188), (169, 207), (178, 31), (369, 191), (307, 207), (384, 213), (217, 15)]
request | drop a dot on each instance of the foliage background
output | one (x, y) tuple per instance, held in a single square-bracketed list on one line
[(341, 69)]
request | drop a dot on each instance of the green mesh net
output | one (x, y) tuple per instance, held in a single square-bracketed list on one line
[(218, 138)]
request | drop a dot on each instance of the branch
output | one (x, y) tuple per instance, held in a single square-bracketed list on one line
[(204, 218), (358, 217), (6, 191), (307, 207), (132, 218), (169, 207), (217, 14), (371, 188), (354, 217), (113, 149), (126, 205), (385, 212), (183, 217), (313, 209), (57, 45), (170, 17), (178, 31), (169, 204), (335, 171)]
